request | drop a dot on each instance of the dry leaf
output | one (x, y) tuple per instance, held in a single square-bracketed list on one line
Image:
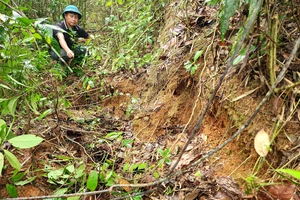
[(262, 143), (192, 195), (126, 188)]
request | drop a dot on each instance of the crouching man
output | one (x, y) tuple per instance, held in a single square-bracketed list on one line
[(68, 40)]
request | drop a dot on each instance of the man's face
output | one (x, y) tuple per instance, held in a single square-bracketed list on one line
[(71, 19)]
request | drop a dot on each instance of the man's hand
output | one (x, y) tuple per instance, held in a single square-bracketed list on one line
[(70, 54)]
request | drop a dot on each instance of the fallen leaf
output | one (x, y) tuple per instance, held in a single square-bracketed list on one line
[(283, 192), (192, 195), (126, 188), (262, 143)]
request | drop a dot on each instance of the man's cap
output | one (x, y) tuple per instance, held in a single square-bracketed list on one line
[(72, 9)]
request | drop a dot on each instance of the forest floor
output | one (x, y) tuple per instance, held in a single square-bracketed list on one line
[(158, 107)]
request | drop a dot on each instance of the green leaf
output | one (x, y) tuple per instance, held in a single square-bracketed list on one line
[(292, 172), (197, 55), (12, 159), (108, 175), (121, 2), (156, 175), (126, 167), (127, 143), (18, 176), (55, 174), (70, 168), (61, 191), (44, 114), (29, 180), (25, 141), (73, 198), (142, 166), (228, 10), (24, 21), (92, 181), (1, 99), (108, 4), (4, 86), (17, 82), (12, 105), (1, 163), (80, 171), (12, 190), (37, 36), (113, 135)]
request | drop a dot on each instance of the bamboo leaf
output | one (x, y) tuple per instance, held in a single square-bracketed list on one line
[(25, 141)]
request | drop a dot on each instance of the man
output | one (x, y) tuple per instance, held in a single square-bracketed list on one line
[(72, 34)]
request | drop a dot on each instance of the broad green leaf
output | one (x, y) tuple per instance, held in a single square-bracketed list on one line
[(24, 21), (127, 143), (55, 174), (18, 176), (61, 191), (120, 2), (142, 166), (2, 131), (92, 181), (126, 167), (1, 99), (197, 55), (80, 171), (73, 198), (108, 175), (12, 105), (44, 114), (292, 172), (25, 141), (12, 190), (228, 10), (108, 4), (53, 27), (70, 168), (37, 36), (12, 159), (1, 163), (156, 175), (29, 180)]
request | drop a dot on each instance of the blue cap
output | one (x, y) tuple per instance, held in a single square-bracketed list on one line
[(72, 9)]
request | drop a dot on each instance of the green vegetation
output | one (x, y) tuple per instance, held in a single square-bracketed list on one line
[(33, 87)]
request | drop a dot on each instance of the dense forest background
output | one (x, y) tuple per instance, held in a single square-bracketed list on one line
[(176, 99)]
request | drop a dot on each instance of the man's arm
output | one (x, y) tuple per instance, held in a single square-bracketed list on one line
[(63, 44)]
